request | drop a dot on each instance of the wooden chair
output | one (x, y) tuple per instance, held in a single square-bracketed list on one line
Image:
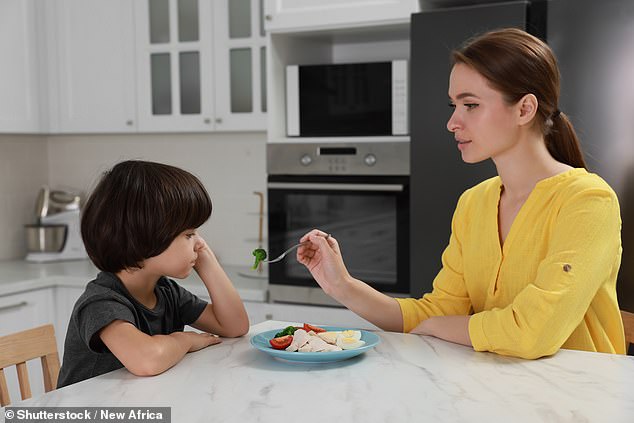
[(628, 324), (19, 347)]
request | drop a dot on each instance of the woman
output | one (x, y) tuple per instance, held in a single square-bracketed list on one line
[(534, 252)]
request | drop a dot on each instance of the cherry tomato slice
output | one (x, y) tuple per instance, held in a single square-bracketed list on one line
[(282, 342), (308, 327)]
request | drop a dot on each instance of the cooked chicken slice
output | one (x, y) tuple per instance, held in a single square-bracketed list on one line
[(329, 337), (317, 344), (300, 337)]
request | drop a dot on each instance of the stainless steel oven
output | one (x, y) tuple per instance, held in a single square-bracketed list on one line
[(357, 192)]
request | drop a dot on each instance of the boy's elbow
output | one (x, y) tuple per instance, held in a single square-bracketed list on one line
[(149, 363), (239, 330), (144, 368)]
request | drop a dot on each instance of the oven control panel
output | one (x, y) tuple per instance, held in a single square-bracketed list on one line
[(389, 158)]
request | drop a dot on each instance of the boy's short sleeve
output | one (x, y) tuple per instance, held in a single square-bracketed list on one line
[(98, 314), (189, 305)]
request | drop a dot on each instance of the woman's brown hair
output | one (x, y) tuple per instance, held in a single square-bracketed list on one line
[(137, 209), (517, 63)]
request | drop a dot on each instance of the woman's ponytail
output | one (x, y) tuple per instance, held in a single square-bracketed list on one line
[(562, 141)]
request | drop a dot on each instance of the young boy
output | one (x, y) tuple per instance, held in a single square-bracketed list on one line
[(139, 228)]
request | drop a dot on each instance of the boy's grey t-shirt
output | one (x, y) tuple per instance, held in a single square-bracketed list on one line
[(105, 300)]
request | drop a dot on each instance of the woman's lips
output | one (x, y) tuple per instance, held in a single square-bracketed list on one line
[(462, 144)]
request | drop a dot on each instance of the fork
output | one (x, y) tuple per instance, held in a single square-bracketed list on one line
[(281, 256)]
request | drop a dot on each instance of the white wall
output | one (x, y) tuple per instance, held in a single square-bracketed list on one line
[(230, 165), (23, 170)]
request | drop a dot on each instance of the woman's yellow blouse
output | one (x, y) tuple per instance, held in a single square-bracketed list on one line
[(551, 286)]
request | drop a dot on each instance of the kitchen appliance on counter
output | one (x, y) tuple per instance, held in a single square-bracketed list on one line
[(347, 99), (356, 191), (56, 236)]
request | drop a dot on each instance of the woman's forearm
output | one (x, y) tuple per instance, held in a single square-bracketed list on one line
[(377, 308), (450, 328)]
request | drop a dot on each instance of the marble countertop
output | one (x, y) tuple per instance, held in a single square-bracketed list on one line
[(405, 378), (20, 275)]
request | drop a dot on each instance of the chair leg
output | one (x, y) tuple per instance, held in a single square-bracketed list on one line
[(23, 379), (4, 390), (50, 370)]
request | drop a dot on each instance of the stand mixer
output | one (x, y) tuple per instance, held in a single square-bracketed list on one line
[(57, 235)]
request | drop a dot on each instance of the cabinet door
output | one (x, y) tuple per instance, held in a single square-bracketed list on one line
[(240, 65), (19, 101), (95, 66), (328, 316), (174, 65), (20, 312), (283, 15)]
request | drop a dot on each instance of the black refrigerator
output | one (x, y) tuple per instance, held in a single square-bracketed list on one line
[(594, 45), (438, 174)]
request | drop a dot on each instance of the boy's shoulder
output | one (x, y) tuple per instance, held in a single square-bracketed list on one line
[(103, 287)]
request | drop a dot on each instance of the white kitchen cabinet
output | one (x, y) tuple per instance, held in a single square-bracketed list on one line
[(257, 311), (19, 312), (19, 84), (26, 310), (331, 316), (240, 65), (302, 32), (91, 73), (198, 65), (174, 65), (305, 15)]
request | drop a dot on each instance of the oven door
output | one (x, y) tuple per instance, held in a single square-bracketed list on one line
[(369, 217)]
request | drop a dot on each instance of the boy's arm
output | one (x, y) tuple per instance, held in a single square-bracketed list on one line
[(145, 355), (226, 315)]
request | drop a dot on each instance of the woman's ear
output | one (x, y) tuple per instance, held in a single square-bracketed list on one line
[(528, 108)]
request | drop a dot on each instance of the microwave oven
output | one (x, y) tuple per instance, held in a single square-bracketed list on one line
[(347, 100)]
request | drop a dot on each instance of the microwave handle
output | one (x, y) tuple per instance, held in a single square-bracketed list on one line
[(336, 187)]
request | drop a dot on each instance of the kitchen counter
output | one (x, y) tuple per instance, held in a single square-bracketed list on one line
[(20, 275), (405, 378)]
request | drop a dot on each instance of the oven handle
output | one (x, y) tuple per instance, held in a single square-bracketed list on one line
[(337, 187)]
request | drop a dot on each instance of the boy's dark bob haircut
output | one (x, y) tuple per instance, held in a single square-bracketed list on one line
[(137, 209)]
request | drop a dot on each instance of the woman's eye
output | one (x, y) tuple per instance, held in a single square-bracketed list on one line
[(189, 236), (471, 106), (451, 105)]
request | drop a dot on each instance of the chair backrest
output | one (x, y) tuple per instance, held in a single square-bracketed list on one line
[(628, 324), (16, 349)]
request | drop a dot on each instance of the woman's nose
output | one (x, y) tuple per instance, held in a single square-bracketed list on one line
[(452, 123)]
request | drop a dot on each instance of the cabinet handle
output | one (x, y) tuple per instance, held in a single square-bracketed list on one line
[(268, 17), (207, 121), (129, 122), (12, 306), (268, 316), (218, 120)]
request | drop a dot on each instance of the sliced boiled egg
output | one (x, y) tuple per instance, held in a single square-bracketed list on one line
[(349, 343), (356, 334)]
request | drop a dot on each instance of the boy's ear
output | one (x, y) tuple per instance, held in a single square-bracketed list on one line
[(527, 108)]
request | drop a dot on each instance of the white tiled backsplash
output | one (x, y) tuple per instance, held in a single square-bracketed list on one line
[(231, 166)]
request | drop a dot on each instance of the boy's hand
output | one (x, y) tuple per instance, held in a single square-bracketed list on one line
[(201, 340), (205, 255)]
